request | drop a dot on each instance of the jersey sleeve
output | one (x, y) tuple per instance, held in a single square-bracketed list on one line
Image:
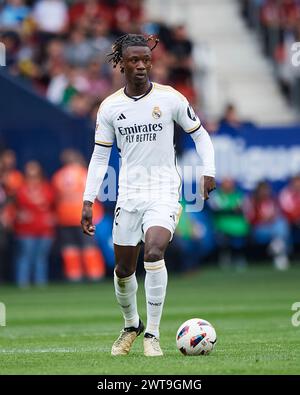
[(104, 133), (185, 115)]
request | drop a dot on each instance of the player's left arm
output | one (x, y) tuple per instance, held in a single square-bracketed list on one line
[(190, 122), (209, 184), (205, 150)]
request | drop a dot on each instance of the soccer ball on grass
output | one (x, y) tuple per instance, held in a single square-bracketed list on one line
[(196, 337)]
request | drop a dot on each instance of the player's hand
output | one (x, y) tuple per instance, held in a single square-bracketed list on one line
[(87, 219), (209, 184)]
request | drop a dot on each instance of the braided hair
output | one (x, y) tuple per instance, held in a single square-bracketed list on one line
[(125, 41)]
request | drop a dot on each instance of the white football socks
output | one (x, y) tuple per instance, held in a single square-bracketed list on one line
[(155, 287), (126, 289)]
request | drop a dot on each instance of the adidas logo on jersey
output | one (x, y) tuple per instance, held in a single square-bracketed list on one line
[(122, 116)]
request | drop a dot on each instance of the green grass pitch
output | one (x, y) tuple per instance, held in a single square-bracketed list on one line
[(69, 329)]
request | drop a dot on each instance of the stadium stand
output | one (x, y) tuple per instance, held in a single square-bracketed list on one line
[(233, 68), (59, 49), (277, 27)]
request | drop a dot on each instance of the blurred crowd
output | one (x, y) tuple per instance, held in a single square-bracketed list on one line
[(236, 227), (59, 48), (277, 23), (41, 237), (37, 214)]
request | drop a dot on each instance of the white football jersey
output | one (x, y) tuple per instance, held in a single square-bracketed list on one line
[(143, 128)]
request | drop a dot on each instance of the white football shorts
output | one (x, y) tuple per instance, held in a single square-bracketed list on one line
[(133, 219)]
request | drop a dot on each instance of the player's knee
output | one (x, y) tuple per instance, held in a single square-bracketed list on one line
[(153, 254), (123, 271)]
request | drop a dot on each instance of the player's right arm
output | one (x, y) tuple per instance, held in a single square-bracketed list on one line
[(104, 139)]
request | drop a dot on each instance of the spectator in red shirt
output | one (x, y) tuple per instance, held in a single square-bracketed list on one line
[(12, 178), (83, 13), (34, 226), (80, 255), (289, 199), (269, 226)]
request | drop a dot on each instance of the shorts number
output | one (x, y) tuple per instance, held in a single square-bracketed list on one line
[(118, 209)]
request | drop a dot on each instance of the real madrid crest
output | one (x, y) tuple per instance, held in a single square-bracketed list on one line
[(156, 113)]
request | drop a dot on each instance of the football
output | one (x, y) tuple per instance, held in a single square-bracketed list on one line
[(196, 337)]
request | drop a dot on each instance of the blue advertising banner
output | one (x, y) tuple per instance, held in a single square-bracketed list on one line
[(252, 154)]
